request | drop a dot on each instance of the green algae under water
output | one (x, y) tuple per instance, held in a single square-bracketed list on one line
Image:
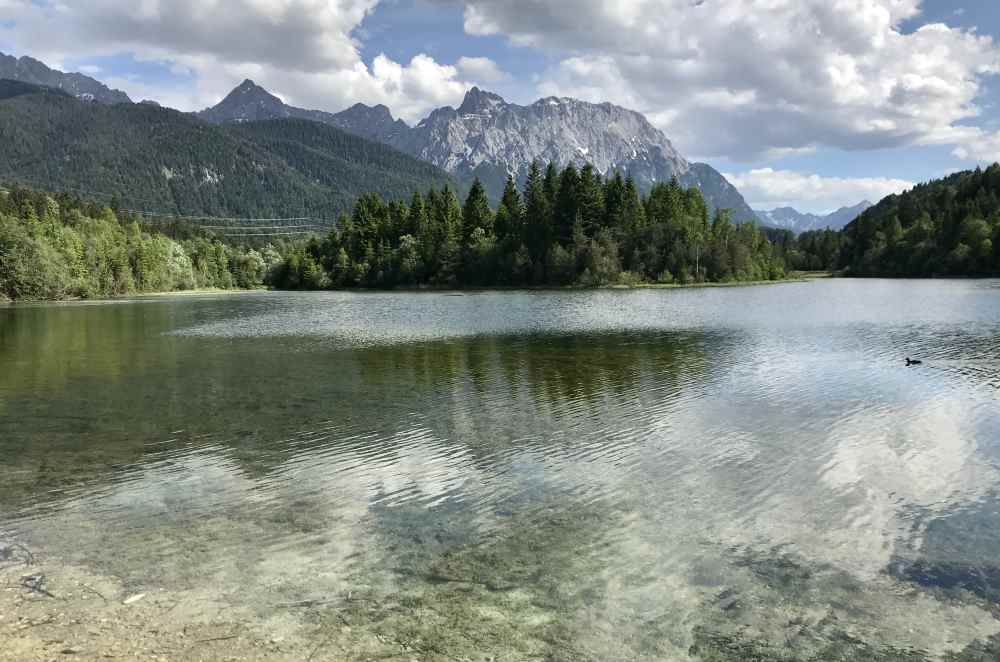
[(744, 474)]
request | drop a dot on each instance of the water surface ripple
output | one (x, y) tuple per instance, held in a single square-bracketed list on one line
[(717, 474)]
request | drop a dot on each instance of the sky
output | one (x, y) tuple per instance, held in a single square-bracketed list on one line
[(815, 104)]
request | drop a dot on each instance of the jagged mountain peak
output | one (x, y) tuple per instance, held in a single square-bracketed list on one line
[(480, 101), (251, 90)]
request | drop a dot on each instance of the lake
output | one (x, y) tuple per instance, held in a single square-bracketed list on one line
[(705, 474)]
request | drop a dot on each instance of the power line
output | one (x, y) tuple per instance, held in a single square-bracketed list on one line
[(265, 234), (155, 215), (258, 227), (182, 217)]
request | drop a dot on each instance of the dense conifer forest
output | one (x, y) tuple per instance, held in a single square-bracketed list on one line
[(947, 227), (564, 228)]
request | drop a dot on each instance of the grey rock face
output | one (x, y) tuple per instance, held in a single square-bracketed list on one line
[(30, 70), (490, 138)]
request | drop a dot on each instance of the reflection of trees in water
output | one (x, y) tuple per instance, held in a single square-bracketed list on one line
[(552, 375), (45, 348), (99, 387)]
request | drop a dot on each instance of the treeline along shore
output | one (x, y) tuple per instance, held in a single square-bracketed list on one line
[(564, 227)]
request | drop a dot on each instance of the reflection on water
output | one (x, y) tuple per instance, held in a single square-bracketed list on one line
[(717, 474)]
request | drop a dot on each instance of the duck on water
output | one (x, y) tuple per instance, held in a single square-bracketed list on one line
[(910, 361)]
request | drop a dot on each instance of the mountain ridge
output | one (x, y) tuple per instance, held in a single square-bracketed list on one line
[(29, 70), (164, 161), (251, 102)]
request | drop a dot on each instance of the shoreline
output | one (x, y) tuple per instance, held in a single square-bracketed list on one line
[(135, 296), (412, 290), (793, 277)]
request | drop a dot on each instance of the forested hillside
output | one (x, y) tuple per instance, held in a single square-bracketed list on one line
[(162, 160), (569, 227), (945, 227), (57, 247), (341, 161)]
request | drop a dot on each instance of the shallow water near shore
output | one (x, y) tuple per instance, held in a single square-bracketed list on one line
[(713, 474)]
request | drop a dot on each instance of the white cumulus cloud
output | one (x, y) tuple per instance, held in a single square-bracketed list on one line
[(767, 188), (481, 69), (754, 78), (304, 49)]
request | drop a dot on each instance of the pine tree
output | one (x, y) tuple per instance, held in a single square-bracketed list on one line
[(566, 207), (591, 200), (508, 222), (416, 219), (551, 184), (536, 216), (633, 210), (476, 213), (614, 204), (448, 220)]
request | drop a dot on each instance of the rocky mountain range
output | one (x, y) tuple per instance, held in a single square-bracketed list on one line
[(787, 218), (489, 138), (485, 137), (30, 70)]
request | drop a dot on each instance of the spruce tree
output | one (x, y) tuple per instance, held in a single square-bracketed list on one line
[(509, 214), (536, 215), (416, 219), (551, 184), (476, 213), (614, 204), (448, 219), (567, 204), (591, 200)]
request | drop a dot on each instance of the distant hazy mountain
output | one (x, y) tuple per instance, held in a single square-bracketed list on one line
[(489, 138), (29, 70), (788, 218), (162, 160)]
